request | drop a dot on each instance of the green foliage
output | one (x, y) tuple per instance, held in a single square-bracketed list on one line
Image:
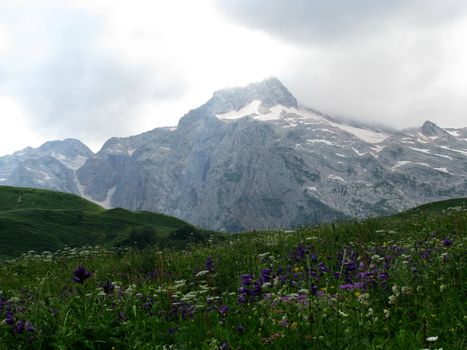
[(32, 219), (140, 237), (386, 283)]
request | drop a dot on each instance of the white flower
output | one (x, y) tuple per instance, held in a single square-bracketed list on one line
[(392, 299), (432, 338), (202, 273), (406, 290), (387, 313)]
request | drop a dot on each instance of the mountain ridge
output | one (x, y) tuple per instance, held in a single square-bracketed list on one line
[(253, 158)]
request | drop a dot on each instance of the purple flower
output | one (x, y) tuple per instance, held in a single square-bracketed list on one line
[(209, 264), (29, 327), (240, 329), (223, 310), (351, 266), (225, 346), (266, 275), (351, 286), (10, 318), (314, 289), (383, 276), (246, 280), (446, 242), (322, 267), (81, 275), (108, 287), (20, 327)]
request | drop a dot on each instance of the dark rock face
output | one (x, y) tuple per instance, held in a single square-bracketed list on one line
[(253, 158)]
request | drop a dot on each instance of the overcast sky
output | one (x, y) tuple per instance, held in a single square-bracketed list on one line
[(92, 69)]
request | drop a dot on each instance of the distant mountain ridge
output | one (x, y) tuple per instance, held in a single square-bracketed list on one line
[(254, 158)]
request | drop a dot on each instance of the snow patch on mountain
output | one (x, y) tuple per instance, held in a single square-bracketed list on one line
[(338, 178), (443, 170), (74, 163)]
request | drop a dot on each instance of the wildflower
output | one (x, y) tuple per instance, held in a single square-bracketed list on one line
[(20, 327), (202, 273), (209, 264), (246, 279), (343, 314), (392, 299), (108, 287), (446, 242), (432, 339), (406, 290), (240, 329), (223, 310), (225, 346), (81, 274), (266, 275), (10, 318), (387, 313)]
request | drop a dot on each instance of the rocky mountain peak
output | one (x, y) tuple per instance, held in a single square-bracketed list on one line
[(67, 147), (431, 129), (270, 92)]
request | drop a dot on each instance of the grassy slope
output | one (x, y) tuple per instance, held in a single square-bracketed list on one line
[(32, 219), (423, 297), (435, 207)]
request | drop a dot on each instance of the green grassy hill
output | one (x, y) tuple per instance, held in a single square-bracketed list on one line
[(383, 283), (436, 207), (34, 219)]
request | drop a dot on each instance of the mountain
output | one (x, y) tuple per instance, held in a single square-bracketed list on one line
[(51, 166), (47, 220), (254, 158)]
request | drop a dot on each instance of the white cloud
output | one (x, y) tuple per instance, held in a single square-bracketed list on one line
[(4, 42), (93, 69), (96, 69), (397, 63), (15, 134)]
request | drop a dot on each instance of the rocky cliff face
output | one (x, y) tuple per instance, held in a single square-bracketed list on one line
[(252, 157), (51, 166)]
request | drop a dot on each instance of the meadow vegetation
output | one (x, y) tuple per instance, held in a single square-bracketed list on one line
[(48, 220), (383, 283)]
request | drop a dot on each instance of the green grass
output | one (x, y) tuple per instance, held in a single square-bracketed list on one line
[(388, 283), (33, 219)]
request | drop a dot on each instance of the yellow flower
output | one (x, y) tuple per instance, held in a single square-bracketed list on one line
[(294, 325)]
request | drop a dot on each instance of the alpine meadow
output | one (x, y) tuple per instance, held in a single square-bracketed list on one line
[(233, 175)]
